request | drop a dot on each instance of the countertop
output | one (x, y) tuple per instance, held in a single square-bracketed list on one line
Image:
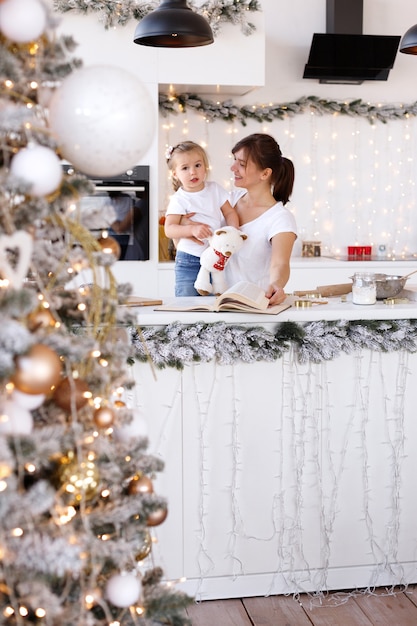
[(336, 308)]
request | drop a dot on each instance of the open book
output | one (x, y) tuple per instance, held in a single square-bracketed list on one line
[(243, 296)]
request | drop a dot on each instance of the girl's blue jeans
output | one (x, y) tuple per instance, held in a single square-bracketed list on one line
[(187, 267)]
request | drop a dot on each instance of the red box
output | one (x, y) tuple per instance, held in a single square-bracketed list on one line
[(359, 251)]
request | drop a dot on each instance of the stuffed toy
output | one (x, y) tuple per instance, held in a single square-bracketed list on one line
[(224, 242)]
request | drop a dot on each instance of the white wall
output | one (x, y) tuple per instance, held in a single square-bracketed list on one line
[(355, 183)]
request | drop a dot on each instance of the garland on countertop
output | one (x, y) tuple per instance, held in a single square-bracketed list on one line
[(114, 12), (177, 345), (230, 112)]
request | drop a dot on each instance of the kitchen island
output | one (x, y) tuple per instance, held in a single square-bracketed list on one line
[(289, 446)]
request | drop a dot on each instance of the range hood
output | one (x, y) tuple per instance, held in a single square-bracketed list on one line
[(344, 55)]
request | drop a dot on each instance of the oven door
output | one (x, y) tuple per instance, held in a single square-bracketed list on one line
[(119, 205), (124, 213)]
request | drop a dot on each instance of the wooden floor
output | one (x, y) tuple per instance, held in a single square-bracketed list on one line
[(381, 608)]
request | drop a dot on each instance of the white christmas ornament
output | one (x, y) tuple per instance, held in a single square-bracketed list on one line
[(138, 427), (21, 243), (22, 21), (27, 400), (103, 119), (123, 590), (39, 166), (15, 419)]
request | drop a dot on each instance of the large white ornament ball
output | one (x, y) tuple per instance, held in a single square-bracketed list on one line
[(39, 166), (22, 21), (15, 419), (103, 119), (123, 590)]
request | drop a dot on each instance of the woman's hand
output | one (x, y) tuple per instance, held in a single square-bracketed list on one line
[(200, 231), (275, 294)]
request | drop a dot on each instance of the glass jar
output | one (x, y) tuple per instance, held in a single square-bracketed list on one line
[(363, 288)]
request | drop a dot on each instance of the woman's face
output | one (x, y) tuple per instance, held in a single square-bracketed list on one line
[(246, 173)]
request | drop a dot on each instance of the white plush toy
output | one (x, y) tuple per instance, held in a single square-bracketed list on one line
[(224, 242)]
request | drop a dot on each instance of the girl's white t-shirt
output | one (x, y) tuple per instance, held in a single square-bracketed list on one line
[(206, 204), (252, 262)]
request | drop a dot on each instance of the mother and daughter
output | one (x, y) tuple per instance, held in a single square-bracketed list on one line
[(264, 181)]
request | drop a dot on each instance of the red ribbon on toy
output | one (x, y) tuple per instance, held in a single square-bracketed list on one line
[(219, 265)]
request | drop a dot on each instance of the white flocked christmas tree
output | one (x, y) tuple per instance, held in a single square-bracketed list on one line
[(78, 508)]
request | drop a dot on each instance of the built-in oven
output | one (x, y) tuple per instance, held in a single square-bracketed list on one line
[(128, 195)]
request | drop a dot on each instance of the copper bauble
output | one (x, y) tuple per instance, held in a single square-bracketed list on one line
[(103, 417), (40, 318), (157, 517), (71, 393), (37, 371), (109, 245), (140, 484)]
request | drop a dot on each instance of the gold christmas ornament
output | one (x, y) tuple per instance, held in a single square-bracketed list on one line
[(140, 484), (78, 479), (40, 318), (103, 417), (71, 393), (37, 371), (109, 245), (145, 547), (157, 517)]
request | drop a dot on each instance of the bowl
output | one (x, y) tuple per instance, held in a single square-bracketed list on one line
[(389, 286)]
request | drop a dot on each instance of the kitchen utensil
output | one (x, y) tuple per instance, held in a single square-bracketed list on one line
[(326, 291), (389, 286)]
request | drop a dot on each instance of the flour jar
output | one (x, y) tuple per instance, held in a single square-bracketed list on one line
[(363, 288)]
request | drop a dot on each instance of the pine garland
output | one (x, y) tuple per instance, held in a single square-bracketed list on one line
[(114, 13), (177, 345), (230, 112)]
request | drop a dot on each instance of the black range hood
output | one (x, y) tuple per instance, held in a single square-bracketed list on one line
[(343, 55)]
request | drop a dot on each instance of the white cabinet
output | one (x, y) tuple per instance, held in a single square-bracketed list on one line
[(285, 477)]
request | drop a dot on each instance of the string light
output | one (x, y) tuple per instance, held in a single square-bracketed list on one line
[(354, 180)]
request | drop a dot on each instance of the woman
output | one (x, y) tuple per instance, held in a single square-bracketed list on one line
[(264, 181)]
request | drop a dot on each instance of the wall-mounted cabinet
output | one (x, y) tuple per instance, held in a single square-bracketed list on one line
[(233, 64)]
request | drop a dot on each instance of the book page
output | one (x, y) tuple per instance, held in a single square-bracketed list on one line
[(245, 293)]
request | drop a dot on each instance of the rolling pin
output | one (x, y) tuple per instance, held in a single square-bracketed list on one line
[(327, 290)]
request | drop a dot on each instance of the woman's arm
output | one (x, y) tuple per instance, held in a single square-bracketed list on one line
[(279, 273), (174, 229)]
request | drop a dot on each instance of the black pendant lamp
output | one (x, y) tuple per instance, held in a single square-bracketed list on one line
[(408, 43), (173, 25)]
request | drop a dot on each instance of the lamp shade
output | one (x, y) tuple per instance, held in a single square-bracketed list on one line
[(173, 25), (408, 43)]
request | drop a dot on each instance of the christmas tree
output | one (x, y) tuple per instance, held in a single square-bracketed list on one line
[(77, 502)]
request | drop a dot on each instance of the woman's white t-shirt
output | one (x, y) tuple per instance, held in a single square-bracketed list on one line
[(206, 204), (252, 262)]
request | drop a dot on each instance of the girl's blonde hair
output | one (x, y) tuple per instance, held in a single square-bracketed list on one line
[(181, 148)]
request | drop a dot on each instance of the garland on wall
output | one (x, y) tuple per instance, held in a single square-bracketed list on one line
[(230, 112), (115, 13), (177, 345)]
